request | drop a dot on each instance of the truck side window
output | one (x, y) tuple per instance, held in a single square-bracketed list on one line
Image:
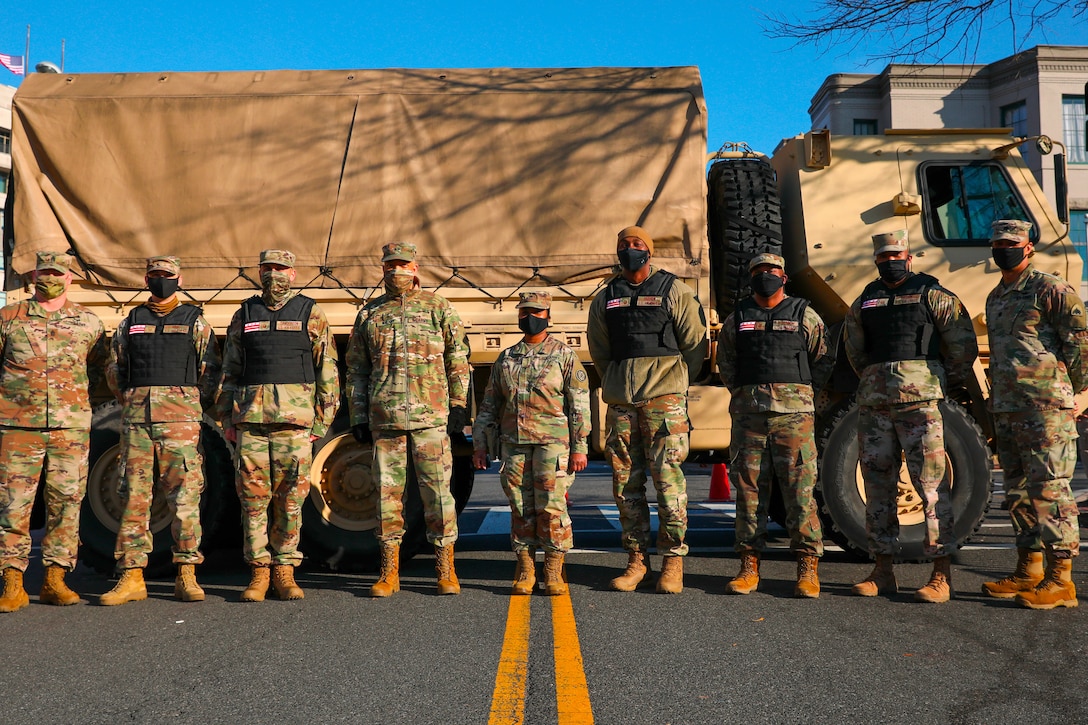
[(960, 201)]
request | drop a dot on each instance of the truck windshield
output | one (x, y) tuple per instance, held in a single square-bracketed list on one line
[(960, 201)]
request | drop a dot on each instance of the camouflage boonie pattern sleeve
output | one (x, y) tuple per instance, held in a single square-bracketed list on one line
[(1038, 343), (407, 362), (959, 343), (485, 429), (727, 353), (50, 362), (231, 372), (326, 396), (854, 338), (579, 417)]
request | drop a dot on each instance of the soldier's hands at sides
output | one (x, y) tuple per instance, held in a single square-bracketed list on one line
[(480, 460), (578, 462), (458, 420), (361, 433)]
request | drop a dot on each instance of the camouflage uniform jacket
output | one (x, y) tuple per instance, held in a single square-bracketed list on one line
[(51, 361), (304, 405), (1038, 343), (912, 381), (636, 380), (771, 397), (166, 403), (407, 362), (536, 394)]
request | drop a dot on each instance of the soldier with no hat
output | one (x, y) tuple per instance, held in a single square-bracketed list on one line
[(53, 352), (647, 338), (1038, 362), (909, 339), (768, 349), (280, 392), (408, 383), (164, 371), (535, 417)]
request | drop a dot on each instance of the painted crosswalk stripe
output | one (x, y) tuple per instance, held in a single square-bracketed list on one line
[(508, 698)]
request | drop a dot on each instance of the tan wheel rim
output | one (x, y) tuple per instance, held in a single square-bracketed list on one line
[(342, 487), (107, 499)]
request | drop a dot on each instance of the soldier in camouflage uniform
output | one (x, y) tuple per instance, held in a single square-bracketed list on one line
[(164, 370), (908, 339), (647, 337), (768, 349), (279, 394), (407, 380), (1038, 362), (53, 352), (535, 417)]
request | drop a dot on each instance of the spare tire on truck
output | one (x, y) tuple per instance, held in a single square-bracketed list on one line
[(745, 219), (841, 491)]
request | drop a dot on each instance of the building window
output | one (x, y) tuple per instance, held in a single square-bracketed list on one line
[(3, 188), (1078, 235), (865, 127), (5, 141), (960, 201), (1016, 118), (1074, 129)]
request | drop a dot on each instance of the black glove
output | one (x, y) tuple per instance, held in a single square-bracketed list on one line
[(362, 434), (458, 421)]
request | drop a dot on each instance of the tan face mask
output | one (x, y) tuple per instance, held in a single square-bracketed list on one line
[(49, 287), (399, 280), (275, 286)]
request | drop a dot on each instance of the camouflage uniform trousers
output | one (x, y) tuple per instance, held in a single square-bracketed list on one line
[(24, 452), (778, 446), (173, 449), (432, 457), (887, 435), (653, 436), (273, 469), (536, 480), (1037, 451)]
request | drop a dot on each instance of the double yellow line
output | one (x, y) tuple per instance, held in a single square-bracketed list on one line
[(571, 691)]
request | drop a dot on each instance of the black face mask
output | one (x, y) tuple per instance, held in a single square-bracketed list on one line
[(766, 284), (162, 287), (531, 325), (633, 259), (1008, 257), (893, 270)]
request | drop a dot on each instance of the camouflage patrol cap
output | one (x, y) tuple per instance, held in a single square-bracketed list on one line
[(636, 233), (1015, 230), (890, 242), (278, 256), (164, 264), (58, 261), (403, 251), (771, 259), (535, 300)]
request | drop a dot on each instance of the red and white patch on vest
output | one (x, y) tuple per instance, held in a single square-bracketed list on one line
[(877, 302), (256, 326), (141, 330), (618, 302), (752, 326)]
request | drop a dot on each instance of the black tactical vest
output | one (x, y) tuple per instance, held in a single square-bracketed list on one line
[(639, 325), (276, 343), (771, 344), (898, 323), (161, 350)]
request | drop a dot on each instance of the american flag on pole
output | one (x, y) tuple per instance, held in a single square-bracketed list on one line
[(14, 63)]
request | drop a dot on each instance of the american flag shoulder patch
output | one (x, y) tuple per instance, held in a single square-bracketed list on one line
[(618, 302), (877, 302)]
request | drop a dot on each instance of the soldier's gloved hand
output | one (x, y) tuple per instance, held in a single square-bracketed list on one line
[(457, 422), (362, 434)]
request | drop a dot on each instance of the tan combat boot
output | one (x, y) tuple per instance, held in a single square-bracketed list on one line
[(671, 580), (939, 588), (1027, 575), (185, 587), (283, 581), (555, 577), (808, 577), (1056, 589), (638, 569), (258, 584), (14, 597), (130, 588), (880, 581), (525, 574), (388, 582), (747, 579), (443, 566)]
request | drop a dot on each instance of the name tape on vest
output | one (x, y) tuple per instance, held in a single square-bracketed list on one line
[(785, 325), (649, 301), (289, 325), (908, 299), (174, 329)]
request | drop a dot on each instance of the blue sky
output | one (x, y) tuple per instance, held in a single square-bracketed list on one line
[(758, 89)]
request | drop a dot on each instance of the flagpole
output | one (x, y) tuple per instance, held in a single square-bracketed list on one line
[(62, 55), (26, 58)]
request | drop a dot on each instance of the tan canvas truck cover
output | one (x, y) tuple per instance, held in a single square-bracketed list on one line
[(492, 173)]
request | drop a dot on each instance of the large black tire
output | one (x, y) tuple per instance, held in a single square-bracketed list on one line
[(745, 219), (840, 491), (340, 514), (104, 503)]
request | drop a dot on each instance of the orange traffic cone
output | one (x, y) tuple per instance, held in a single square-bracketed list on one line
[(719, 483)]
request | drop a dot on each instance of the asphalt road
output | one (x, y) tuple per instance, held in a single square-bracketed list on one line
[(700, 657)]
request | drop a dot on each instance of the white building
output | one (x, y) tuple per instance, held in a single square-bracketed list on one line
[(1038, 91)]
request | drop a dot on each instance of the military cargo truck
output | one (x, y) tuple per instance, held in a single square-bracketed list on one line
[(505, 180)]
